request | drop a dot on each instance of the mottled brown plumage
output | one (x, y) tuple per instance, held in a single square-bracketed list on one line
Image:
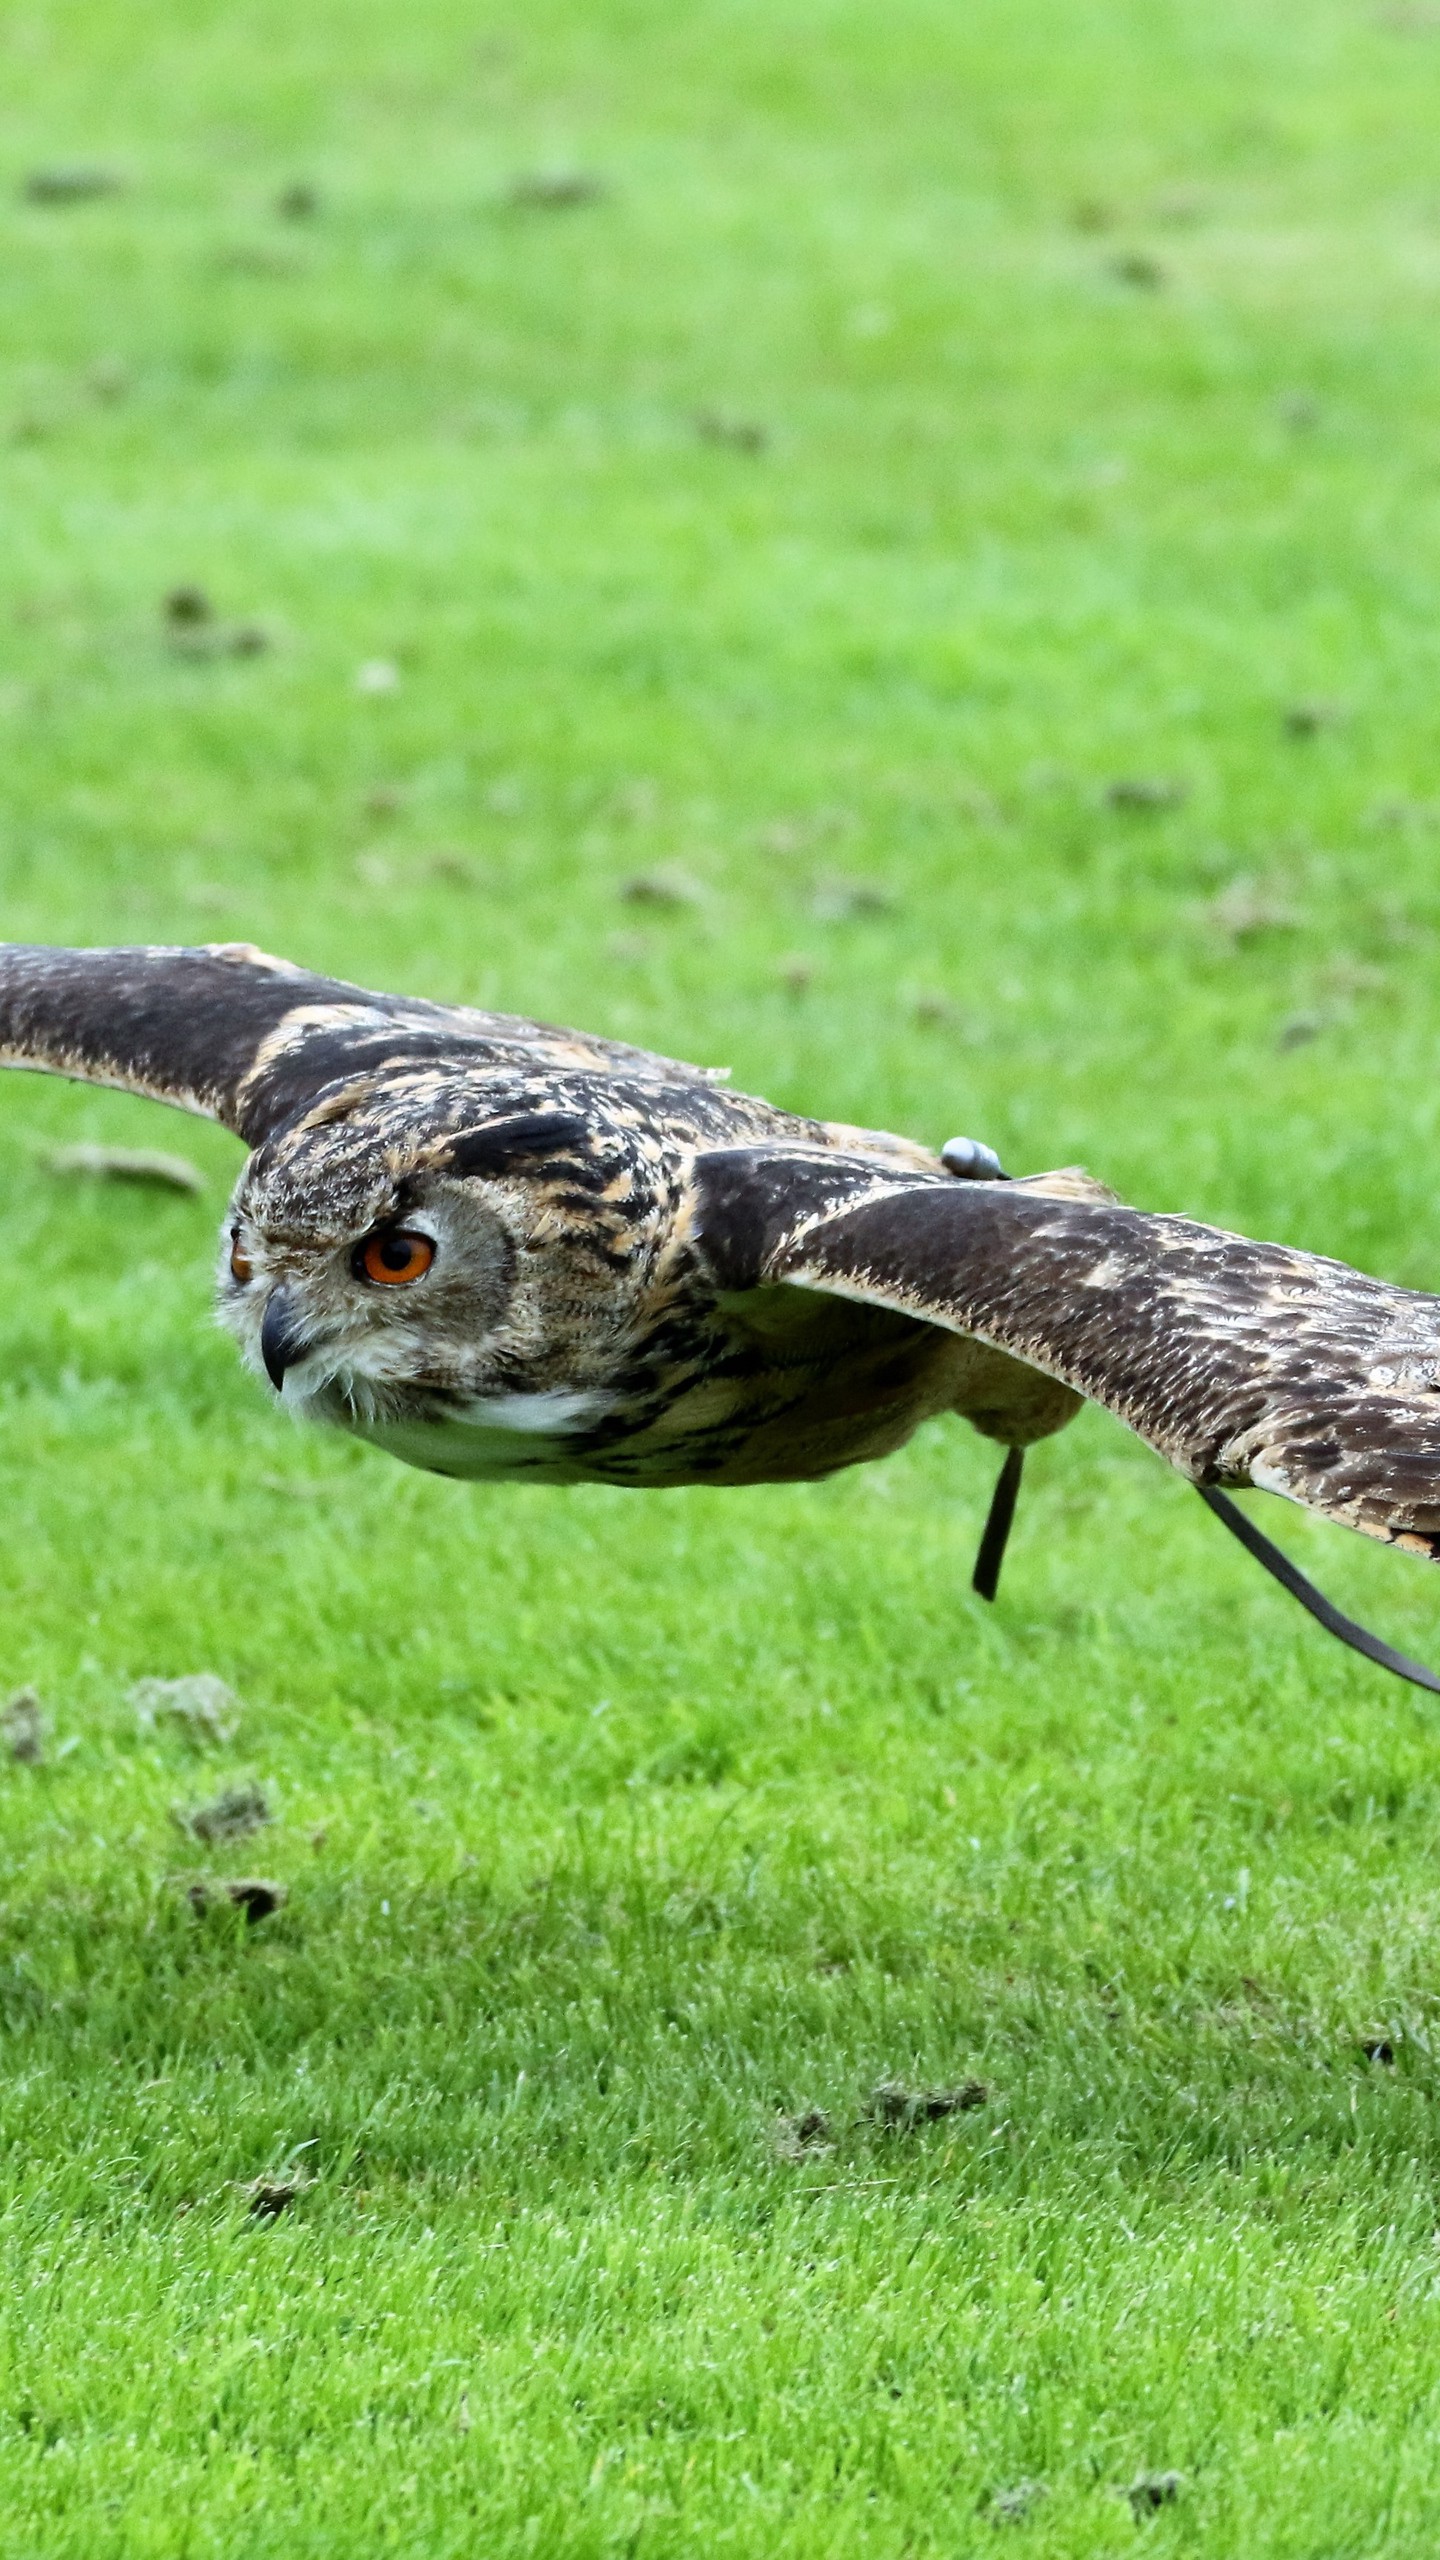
[(624, 1273)]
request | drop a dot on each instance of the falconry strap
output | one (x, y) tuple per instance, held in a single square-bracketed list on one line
[(1333, 1620), (986, 1576)]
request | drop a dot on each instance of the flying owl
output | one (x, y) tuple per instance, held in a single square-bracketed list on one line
[(500, 1250)]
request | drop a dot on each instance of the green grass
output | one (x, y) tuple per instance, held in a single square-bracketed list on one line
[(616, 1827)]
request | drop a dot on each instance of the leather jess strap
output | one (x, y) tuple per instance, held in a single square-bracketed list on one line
[(1347, 1631), (1290, 1577), (986, 1577)]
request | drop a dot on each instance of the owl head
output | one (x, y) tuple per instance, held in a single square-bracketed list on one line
[(384, 1260)]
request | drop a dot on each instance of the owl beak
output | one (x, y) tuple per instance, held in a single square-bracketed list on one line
[(282, 1338)]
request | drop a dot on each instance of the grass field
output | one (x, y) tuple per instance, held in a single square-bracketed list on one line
[(766, 561)]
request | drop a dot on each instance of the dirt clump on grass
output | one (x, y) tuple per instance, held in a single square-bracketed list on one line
[(256, 1896), (201, 1705), (1153, 2490), (899, 2108), (1144, 791), (1246, 908), (1137, 267), (268, 2198), (1309, 719), (836, 898), (1013, 2505), (799, 2136), (554, 190), (670, 886), (234, 1812), (73, 182), (22, 1728), (742, 435), (195, 631)]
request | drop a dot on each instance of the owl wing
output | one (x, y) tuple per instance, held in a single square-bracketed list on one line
[(1243, 1364), (229, 1032)]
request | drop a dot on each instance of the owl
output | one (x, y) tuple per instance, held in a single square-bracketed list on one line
[(504, 1251)]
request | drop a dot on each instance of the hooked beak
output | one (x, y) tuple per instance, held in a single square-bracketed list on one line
[(282, 1339)]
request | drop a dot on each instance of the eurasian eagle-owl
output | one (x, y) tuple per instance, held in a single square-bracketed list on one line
[(497, 1249)]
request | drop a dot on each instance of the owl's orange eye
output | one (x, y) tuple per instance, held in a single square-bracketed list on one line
[(241, 1266), (394, 1258)]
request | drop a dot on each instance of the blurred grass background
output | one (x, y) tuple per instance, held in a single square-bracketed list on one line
[(896, 552)]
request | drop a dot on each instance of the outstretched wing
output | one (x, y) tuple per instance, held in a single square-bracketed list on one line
[(226, 1031), (1243, 1364)]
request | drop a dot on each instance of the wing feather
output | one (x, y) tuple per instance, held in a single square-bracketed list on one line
[(1243, 1364), (226, 1031)]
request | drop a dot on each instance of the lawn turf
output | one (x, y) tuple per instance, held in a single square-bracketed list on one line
[(767, 563)]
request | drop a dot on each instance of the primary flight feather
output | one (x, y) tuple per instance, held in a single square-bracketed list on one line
[(503, 1250)]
